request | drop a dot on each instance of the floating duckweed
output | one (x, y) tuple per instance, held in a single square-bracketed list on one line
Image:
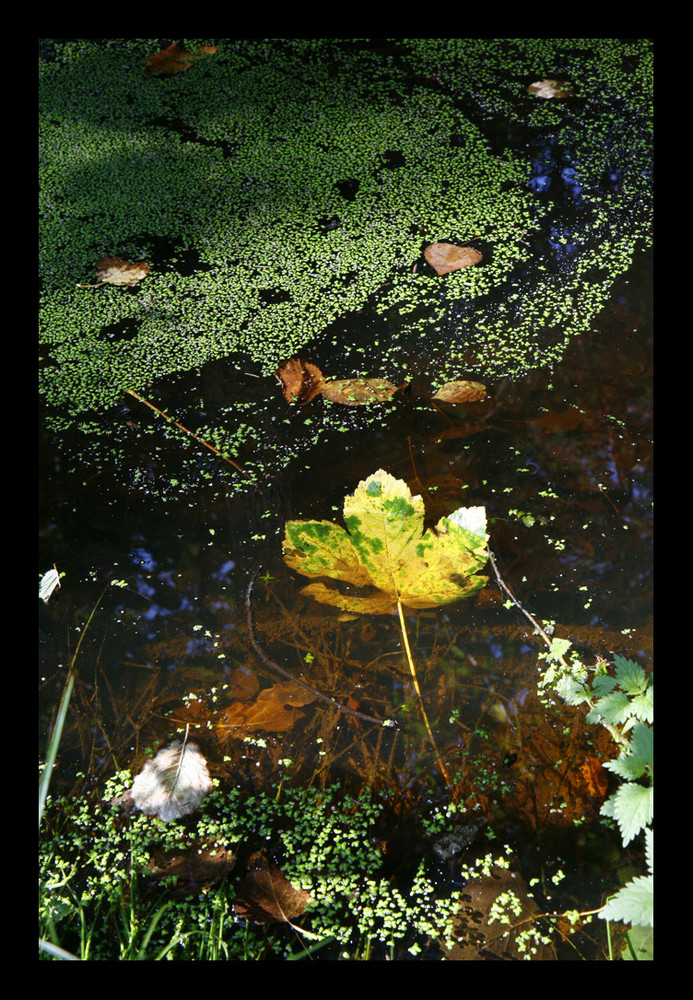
[(320, 170)]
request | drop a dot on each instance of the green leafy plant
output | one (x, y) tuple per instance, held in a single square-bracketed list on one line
[(385, 552), (621, 701)]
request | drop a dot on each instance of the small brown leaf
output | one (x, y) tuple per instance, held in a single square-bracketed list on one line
[(300, 380), (446, 257), (461, 392), (550, 89), (358, 391), (595, 777), (267, 896), (174, 60), (244, 684), (268, 713), (117, 271), (195, 870)]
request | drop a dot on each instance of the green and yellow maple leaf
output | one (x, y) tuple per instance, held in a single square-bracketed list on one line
[(385, 549)]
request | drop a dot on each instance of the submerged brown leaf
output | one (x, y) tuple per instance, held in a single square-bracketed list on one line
[(358, 391), (446, 257), (461, 392), (273, 711), (174, 60), (267, 896), (192, 872), (300, 380)]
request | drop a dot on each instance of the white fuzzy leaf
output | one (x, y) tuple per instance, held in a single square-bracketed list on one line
[(173, 784)]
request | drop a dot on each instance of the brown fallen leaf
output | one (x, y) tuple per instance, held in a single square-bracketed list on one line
[(244, 684), (446, 257), (118, 271), (595, 777), (174, 60), (550, 89), (269, 712), (461, 392), (300, 380), (358, 391), (193, 871), (267, 896)]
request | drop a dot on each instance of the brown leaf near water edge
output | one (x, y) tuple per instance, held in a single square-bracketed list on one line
[(550, 89), (358, 391), (300, 380), (174, 60), (461, 392), (117, 271), (267, 896), (269, 712), (446, 257), (194, 871), (244, 684), (595, 777)]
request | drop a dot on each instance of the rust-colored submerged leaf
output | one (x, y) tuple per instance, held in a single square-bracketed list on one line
[(301, 381), (461, 392), (273, 711), (172, 59), (446, 257), (267, 896)]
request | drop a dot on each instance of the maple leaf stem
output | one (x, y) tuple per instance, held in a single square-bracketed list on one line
[(412, 668)]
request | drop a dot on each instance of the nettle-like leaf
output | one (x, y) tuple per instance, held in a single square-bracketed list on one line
[(636, 760), (385, 549), (633, 904), (631, 807)]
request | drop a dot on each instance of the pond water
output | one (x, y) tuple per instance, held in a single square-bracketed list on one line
[(158, 548)]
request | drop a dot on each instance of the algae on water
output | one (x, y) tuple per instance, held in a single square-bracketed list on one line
[(281, 188)]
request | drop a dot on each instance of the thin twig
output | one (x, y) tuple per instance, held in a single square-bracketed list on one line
[(211, 447)]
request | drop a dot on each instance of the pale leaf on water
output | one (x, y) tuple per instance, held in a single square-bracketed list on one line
[(47, 584), (173, 784)]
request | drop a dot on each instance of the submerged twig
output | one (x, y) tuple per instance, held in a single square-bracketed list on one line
[(211, 447), (289, 676)]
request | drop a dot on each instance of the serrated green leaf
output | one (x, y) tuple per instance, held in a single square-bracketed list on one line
[(602, 685), (649, 849), (631, 807), (642, 706), (633, 904), (613, 709), (630, 676), (636, 758), (572, 692), (385, 549)]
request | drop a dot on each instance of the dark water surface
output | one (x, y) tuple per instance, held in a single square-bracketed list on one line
[(158, 546), (562, 462)]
